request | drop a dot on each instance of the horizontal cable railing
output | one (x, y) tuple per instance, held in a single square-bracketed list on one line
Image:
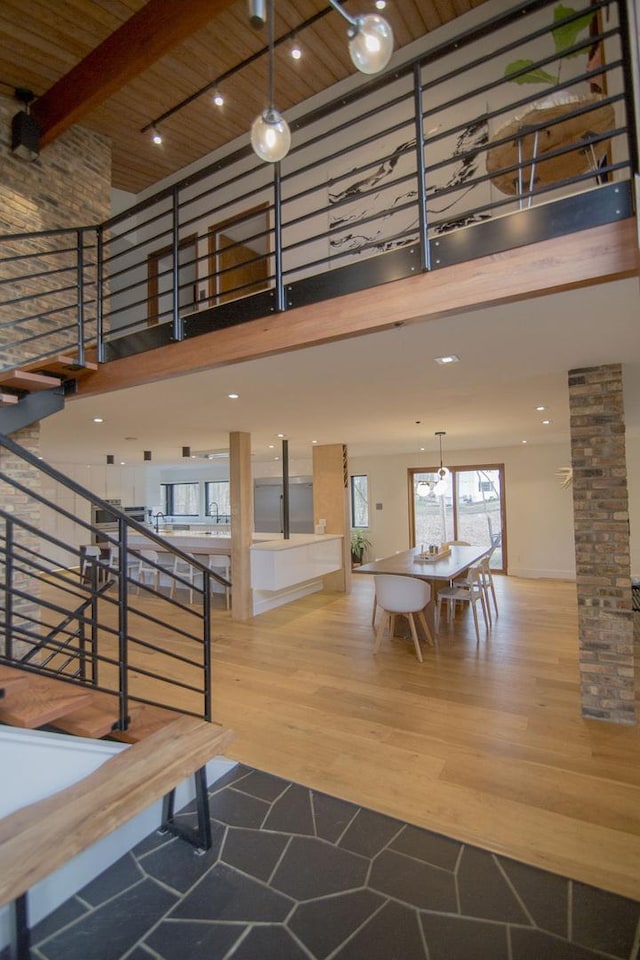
[(124, 611), (530, 107)]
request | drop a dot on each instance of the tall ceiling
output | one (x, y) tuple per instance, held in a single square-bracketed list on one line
[(41, 41)]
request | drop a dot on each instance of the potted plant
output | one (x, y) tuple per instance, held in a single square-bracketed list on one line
[(565, 36), (359, 543)]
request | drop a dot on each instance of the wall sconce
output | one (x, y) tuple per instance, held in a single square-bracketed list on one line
[(25, 132)]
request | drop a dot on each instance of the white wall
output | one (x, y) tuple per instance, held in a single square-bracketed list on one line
[(539, 511)]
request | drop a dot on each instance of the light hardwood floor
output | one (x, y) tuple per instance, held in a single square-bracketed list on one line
[(483, 742)]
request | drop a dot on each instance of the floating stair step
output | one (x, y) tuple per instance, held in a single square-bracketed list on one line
[(40, 700), (22, 380), (94, 721), (63, 365), (8, 399), (9, 677), (145, 720)]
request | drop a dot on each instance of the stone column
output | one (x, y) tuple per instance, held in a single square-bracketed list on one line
[(601, 523)]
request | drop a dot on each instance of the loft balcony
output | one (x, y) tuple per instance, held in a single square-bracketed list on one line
[(518, 131)]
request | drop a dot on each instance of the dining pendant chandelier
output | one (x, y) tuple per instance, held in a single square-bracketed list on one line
[(441, 484), (437, 487), (270, 134)]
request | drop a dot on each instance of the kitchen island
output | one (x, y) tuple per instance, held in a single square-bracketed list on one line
[(281, 570)]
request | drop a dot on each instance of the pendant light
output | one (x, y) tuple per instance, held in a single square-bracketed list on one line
[(436, 487), (270, 134), (441, 485), (370, 40)]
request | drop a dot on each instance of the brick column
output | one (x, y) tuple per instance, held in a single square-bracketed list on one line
[(601, 523)]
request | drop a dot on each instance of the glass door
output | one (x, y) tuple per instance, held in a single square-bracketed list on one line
[(466, 504), (479, 509)]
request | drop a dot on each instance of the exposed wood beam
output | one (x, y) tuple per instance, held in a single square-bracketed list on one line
[(604, 253), (150, 33)]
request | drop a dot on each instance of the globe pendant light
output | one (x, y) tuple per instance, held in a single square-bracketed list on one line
[(370, 40), (270, 134), (441, 485)]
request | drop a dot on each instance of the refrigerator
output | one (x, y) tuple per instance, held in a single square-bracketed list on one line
[(268, 505)]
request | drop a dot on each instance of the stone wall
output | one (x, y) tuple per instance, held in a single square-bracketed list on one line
[(601, 521), (69, 186)]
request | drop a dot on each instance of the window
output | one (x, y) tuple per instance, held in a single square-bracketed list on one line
[(218, 500), (469, 507), (360, 501), (180, 499)]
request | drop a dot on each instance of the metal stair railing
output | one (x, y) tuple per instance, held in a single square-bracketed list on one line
[(145, 642)]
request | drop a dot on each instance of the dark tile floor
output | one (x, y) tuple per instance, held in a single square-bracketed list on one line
[(298, 875)]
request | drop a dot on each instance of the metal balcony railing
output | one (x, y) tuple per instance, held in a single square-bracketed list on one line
[(528, 115)]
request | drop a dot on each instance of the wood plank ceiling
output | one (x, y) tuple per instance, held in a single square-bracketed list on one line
[(42, 40)]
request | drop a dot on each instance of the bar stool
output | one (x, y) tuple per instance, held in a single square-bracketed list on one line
[(148, 568), (220, 564), (89, 557), (185, 571)]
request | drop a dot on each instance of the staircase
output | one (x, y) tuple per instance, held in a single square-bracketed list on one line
[(37, 389), (30, 700)]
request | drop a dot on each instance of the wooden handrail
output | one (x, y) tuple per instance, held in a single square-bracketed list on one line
[(83, 813)]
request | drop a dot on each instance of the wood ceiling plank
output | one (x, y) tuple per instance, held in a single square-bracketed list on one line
[(133, 47)]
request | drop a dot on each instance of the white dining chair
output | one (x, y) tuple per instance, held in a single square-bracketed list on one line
[(405, 595), (221, 564), (485, 581), (470, 592)]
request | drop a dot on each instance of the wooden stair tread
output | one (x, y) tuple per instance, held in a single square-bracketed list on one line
[(40, 700), (145, 720), (94, 721), (62, 365), (9, 677), (8, 399), (23, 380)]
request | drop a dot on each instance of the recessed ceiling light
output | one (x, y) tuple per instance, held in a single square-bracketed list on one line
[(546, 422), (525, 441), (122, 463), (280, 436), (276, 458), (448, 358), (421, 449), (540, 409), (314, 441), (233, 396), (271, 446), (98, 420), (380, 4)]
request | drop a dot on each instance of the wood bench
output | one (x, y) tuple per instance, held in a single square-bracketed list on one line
[(80, 815)]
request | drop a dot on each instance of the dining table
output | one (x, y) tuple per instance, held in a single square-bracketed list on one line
[(439, 571)]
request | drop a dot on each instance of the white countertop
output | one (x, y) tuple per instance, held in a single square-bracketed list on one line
[(277, 542)]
